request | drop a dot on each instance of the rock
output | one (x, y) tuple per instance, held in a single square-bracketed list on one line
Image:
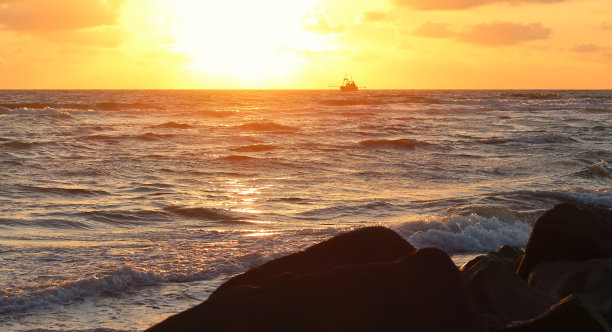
[(498, 291), (589, 279), (510, 256), (422, 291), (571, 314), (365, 245), (568, 232)]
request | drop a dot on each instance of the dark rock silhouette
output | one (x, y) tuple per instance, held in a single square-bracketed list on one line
[(571, 314), (591, 279), (373, 280), (420, 291), (366, 245), (568, 232), (498, 291)]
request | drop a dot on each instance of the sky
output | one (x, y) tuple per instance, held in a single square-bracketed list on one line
[(305, 44)]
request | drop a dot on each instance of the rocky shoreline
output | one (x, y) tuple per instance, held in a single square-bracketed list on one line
[(371, 279)]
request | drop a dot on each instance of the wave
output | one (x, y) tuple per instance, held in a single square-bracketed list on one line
[(64, 191), (377, 208), (47, 111), (254, 148), (419, 100), (18, 145), (113, 283), (173, 125), (142, 137), (115, 106), (211, 214), (266, 126), (538, 139), (348, 102), (404, 144), (218, 113), (535, 95), (597, 197), (152, 136), (461, 234), (237, 158), (601, 168)]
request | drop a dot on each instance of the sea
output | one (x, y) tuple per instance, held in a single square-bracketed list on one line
[(119, 208)]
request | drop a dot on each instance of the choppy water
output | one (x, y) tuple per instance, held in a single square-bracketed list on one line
[(118, 208)]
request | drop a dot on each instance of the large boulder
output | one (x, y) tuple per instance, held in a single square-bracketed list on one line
[(422, 291), (568, 232), (368, 279), (498, 292), (590, 279), (571, 314), (365, 245)]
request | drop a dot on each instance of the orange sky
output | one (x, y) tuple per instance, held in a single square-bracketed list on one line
[(204, 44)]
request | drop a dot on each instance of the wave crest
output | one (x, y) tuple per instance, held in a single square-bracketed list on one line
[(472, 233), (404, 144), (266, 127), (254, 148)]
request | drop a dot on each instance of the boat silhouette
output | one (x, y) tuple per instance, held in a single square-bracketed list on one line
[(348, 85)]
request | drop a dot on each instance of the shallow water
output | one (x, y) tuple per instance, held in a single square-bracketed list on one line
[(118, 208)]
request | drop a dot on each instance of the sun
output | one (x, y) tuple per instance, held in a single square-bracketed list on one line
[(251, 41)]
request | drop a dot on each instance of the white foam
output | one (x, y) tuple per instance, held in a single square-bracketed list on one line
[(596, 197), (466, 233), (601, 168), (88, 287)]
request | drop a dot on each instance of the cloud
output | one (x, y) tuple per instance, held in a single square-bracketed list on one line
[(433, 30), (106, 36), (504, 33), (320, 23), (51, 15), (586, 48), (487, 34), (376, 17), (461, 4)]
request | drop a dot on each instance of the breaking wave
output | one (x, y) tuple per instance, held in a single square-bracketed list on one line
[(460, 234), (68, 292)]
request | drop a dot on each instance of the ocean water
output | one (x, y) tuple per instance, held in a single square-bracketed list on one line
[(119, 208)]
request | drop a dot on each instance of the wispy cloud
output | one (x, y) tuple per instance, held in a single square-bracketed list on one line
[(586, 48), (52, 15), (374, 16), (487, 34), (461, 4), (320, 23)]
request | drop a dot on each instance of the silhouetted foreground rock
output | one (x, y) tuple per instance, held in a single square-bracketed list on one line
[(568, 232), (372, 279), (420, 291), (366, 245), (498, 291), (571, 314)]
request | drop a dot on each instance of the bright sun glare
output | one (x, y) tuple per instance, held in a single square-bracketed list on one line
[(245, 39)]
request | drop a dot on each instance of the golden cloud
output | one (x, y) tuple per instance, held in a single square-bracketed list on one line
[(461, 4), (488, 34), (49, 15)]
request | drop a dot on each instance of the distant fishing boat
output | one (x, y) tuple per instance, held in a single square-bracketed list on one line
[(348, 85)]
